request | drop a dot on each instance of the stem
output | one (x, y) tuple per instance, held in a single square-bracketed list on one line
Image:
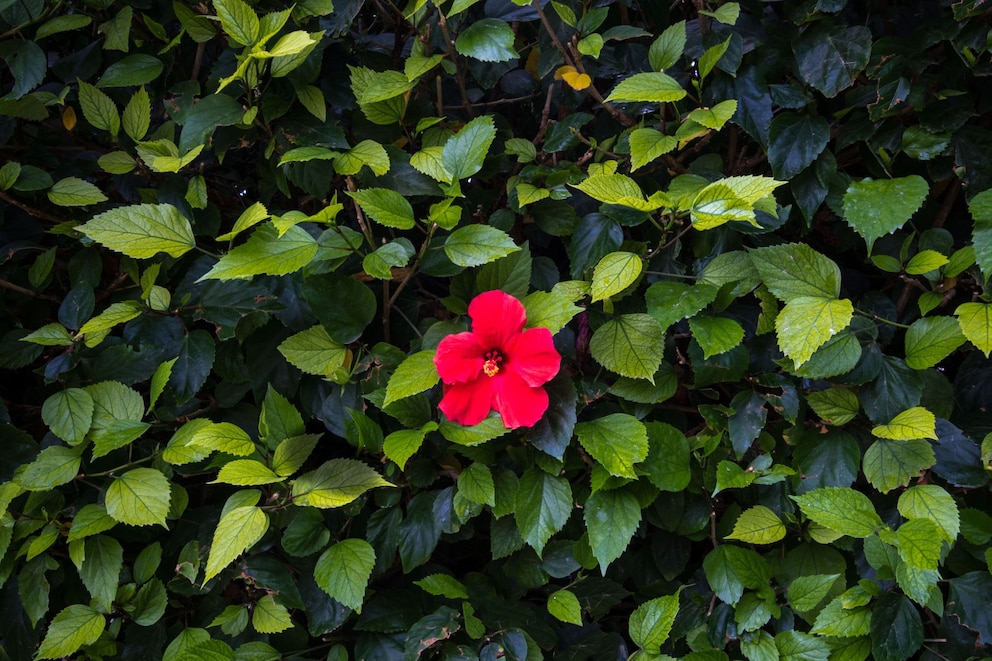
[(36, 213), (116, 469), (350, 181), (875, 317), (453, 53), (4, 284)]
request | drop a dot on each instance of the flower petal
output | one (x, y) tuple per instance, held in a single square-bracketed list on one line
[(468, 403), (519, 404), (496, 318), (459, 358), (533, 356)]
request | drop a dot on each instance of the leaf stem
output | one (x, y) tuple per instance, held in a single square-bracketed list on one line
[(872, 315)]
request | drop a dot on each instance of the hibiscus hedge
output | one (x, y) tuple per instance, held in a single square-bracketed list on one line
[(495, 329)]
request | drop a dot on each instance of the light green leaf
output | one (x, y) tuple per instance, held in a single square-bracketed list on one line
[(715, 334), (75, 192), (402, 444), (308, 153), (49, 335), (250, 217), (795, 270), (925, 261), (980, 207), (647, 87), (651, 622), (976, 324), (292, 452), (292, 43), (429, 161), (630, 345), (62, 24), (54, 466), (931, 339), (798, 646), (666, 50), (116, 313), (591, 45), (488, 40), (371, 86), (617, 441), (395, 254), (90, 520), (911, 424), (622, 190), (758, 525), (669, 302), (416, 66), (806, 323), (335, 483), (611, 517), (137, 115), (892, 464), (877, 208), (343, 571), (238, 20), (490, 428), (476, 245), (442, 585), (920, 542), (366, 152), (224, 437), (98, 108), (142, 230), (647, 145), (715, 117), (564, 606), (314, 351), (74, 627), (835, 620), (551, 310), (806, 592), (837, 405), (414, 375), (245, 472), (932, 502), (727, 13), (614, 273), (840, 509), (139, 497), (269, 616), (132, 70), (543, 505), (476, 484), (523, 149), (386, 207), (313, 100), (69, 414), (464, 153), (237, 531), (266, 253), (101, 568), (116, 162), (731, 198)]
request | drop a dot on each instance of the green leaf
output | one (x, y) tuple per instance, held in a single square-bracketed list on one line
[(142, 230), (911, 424), (611, 517), (49, 335), (250, 217), (715, 334), (794, 142), (806, 323), (617, 441), (891, 464), (631, 345), (830, 58), (647, 145), (292, 453), (98, 109), (840, 509), (27, 62), (476, 484), (137, 115), (476, 245), (139, 497), (731, 198), (238, 20), (54, 466), (386, 207), (237, 531), (101, 568), (795, 270), (669, 302), (442, 585), (758, 525), (876, 208), (896, 628), (246, 472), (133, 70), (269, 616), (980, 207), (490, 428), (716, 116), (933, 503), (69, 414), (614, 273), (543, 505), (931, 339), (366, 152), (395, 254), (74, 192), (838, 406), (806, 592), (666, 50), (667, 463), (647, 87), (116, 313), (314, 351), (651, 622), (90, 520), (798, 646), (414, 375), (564, 606), (343, 571), (266, 253), (619, 189), (925, 261), (402, 444), (117, 162), (920, 542), (976, 324), (464, 153), (551, 310), (335, 483), (836, 620), (218, 437), (60, 24), (488, 40), (74, 627)]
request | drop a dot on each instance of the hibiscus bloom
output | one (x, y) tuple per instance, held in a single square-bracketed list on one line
[(498, 365)]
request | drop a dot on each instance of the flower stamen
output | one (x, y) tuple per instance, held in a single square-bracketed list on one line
[(493, 359)]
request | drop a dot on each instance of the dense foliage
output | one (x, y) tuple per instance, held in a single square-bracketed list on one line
[(234, 235)]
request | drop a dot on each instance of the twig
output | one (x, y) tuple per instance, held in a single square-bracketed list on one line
[(37, 213), (945, 208), (27, 292), (350, 182), (459, 74)]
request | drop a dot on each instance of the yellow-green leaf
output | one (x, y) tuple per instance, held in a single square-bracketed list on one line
[(758, 525), (909, 425)]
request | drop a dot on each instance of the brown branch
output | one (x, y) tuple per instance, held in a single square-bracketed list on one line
[(27, 292), (945, 208), (37, 213)]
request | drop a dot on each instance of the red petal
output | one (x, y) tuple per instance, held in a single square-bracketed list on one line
[(468, 403), (532, 355), (459, 358), (496, 318), (519, 404)]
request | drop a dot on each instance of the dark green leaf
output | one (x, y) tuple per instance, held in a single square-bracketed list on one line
[(830, 58), (896, 628), (795, 141)]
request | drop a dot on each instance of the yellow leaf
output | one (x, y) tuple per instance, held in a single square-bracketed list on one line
[(575, 80), (68, 118)]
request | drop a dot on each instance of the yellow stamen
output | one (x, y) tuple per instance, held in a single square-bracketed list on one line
[(491, 366)]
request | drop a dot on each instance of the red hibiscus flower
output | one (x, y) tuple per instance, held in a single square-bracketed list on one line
[(498, 365)]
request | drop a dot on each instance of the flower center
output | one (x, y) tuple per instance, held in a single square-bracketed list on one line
[(493, 359)]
